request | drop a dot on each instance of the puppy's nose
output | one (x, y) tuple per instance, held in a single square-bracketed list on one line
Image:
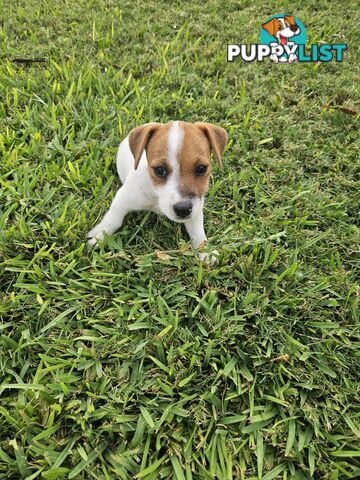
[(183, 209), (294, 28)]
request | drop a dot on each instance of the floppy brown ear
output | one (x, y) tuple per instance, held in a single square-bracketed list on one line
[(291, 19), (270, 26), (139, 138), (217, 137)]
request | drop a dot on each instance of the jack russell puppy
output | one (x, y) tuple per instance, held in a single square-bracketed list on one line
[(165, 168)]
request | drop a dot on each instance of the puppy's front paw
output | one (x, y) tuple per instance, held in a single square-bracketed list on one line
[(211, 258), (91, 242), (95, 234)]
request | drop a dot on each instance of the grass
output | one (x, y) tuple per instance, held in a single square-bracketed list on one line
[(134, 360)]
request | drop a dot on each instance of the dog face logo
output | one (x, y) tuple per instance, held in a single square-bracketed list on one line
[(283, 33), (283, 40), (282, 28)]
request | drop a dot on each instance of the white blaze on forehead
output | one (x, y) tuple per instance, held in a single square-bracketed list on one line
[(168, 193), (282, 20), (176, 135)]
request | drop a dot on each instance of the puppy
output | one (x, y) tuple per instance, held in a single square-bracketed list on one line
[(165, 168), (283, 29)]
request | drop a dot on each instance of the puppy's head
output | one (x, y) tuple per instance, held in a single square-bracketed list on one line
[(178, 155), (282, 28)]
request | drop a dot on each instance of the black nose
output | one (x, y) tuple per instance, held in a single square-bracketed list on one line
[(183, 209), (294, 28)]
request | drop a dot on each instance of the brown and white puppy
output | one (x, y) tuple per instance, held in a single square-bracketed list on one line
[(165, 168), (283, 29)]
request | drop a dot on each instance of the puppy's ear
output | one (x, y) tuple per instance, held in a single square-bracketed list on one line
[(270, 26), (217, 138), (139, 137)]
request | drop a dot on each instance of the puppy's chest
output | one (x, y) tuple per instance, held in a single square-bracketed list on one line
[(139, 185), (152, 205)]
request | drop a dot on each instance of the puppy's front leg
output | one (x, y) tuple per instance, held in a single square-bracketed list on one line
[(195, 228), (114, 217)]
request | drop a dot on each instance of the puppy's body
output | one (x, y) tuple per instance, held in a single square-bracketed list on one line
[(165, 168)]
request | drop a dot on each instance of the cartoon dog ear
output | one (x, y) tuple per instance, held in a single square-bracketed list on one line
[(270, 26), (217, 138), (139, 138), (290, 19)]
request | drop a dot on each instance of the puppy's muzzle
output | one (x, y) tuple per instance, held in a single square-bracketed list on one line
[(183, 209), (294, 28)]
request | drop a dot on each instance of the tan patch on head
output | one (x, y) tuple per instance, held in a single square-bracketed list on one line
[(217, 138), (194, 151), (157, 153), (139, 138)]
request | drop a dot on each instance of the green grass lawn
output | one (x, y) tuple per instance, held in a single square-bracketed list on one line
[(123, 362)]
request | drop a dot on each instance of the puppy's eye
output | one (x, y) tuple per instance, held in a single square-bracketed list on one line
[(160, 171), (200, 170)]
